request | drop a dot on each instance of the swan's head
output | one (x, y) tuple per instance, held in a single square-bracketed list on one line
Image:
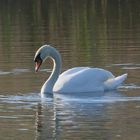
[(41, 54)]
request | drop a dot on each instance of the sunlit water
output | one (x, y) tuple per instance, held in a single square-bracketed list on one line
[(86, 33)]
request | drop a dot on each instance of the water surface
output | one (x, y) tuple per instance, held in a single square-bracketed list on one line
[(97, 33)]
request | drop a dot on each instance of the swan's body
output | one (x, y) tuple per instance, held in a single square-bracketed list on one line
[(79, 79)]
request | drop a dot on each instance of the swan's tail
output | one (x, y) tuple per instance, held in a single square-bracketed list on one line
[(113, 83)]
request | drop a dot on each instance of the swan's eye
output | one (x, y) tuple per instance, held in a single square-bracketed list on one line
[(37, 58)]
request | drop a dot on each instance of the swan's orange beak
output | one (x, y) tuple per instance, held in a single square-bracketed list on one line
[(37, 65)]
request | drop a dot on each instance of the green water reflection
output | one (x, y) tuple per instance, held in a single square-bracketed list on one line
[(94, 27)]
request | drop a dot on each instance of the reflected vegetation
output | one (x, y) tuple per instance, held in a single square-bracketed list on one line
[(89, 29)]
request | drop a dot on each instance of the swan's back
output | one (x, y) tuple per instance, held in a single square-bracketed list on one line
[(82, 79)]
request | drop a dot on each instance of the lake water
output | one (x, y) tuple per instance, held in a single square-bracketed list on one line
[(94, 33)]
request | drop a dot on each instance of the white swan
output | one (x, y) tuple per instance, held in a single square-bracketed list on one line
[(79, 79)]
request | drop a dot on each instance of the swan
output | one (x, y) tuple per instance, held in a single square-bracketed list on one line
[(78, 79)]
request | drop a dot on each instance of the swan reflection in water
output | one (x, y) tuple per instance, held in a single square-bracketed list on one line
[(79, 116)]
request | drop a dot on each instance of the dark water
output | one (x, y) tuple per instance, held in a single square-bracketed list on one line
[(95, 33)]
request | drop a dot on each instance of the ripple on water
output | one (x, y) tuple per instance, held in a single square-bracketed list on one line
[(103, 99), (127, 66), (96, 97), (14, 71), (18, 71), (4, 72), (129, 86), (31, 98)]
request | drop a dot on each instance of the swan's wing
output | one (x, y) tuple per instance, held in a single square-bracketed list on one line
[(81, 79)]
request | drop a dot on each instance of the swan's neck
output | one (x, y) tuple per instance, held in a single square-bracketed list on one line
[(49, 84)]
